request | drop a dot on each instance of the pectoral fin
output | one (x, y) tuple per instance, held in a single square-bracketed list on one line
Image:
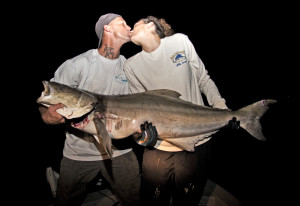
[(103, 137), (95, 141)]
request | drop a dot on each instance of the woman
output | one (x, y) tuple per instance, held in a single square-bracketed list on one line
[(170, 61)]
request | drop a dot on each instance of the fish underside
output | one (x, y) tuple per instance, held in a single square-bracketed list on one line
[(178, 122)]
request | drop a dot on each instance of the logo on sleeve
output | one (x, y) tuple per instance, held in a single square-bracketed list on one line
[(179, 58)]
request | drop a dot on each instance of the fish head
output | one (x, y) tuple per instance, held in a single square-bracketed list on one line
[(76, 102)]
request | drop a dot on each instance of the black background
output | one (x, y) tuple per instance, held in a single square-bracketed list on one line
[(249, 50)]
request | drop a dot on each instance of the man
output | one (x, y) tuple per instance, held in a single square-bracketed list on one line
[(101, 71)]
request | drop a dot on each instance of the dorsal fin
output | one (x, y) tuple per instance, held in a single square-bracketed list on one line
[(163, 92)]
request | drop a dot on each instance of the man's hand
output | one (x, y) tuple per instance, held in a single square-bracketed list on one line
[(149, 135), (50, 116), (233, 124)]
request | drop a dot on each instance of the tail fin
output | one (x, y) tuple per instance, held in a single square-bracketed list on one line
[(255, 112)]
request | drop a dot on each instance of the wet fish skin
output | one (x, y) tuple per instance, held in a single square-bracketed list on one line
[(176, 120)]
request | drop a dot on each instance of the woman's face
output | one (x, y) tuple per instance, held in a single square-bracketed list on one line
[(138, 32)]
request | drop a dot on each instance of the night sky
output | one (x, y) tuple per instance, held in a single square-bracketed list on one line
[(248, 49)]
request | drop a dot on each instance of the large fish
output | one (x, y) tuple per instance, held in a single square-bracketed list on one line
[(176, 120)]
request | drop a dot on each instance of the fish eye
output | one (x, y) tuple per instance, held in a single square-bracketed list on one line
[(62, 87)]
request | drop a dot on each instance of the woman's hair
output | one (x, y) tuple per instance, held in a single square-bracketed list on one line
[(162, 28)]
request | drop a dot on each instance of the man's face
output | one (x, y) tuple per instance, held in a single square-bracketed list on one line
[(138, 32), (120, 28)]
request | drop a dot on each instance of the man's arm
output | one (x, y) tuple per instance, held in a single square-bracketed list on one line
[(49, 114)]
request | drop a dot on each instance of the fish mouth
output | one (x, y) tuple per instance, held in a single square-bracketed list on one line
[(45, 93)]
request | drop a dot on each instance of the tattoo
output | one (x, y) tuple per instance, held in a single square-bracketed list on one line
[(109, 52)]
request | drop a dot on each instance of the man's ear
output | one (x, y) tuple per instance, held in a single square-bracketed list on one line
[(107, 28)]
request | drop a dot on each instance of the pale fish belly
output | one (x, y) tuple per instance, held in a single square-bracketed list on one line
[(120, 128)]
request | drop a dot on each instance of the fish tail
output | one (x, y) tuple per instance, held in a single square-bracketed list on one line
[(252, 122)]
